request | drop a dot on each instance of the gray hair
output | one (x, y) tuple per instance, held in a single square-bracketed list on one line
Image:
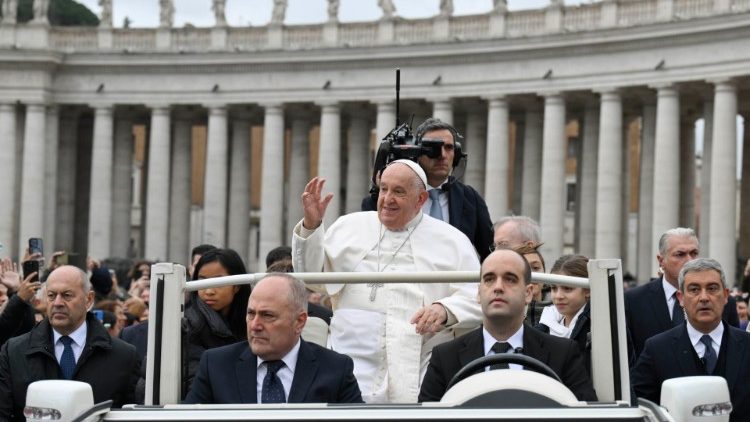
[(698, 265), (297, 291), (675, 232), (526, 227)]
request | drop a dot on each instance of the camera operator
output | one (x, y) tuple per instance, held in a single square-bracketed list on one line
[(450, 200)]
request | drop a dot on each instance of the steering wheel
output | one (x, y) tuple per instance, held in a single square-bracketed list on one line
[(500, 358)]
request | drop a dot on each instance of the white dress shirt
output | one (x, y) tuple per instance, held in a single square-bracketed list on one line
[(285, 374), (695, 339), (669, 291), (515, 341), (79, 340), (443, 203)]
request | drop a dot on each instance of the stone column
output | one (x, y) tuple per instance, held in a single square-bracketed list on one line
[(551, 215), (216, 183), (180, 189), (476, 136), (609, 177), (157, 189), (50, 179), (744, 250), (646, 258), (386, 119), (705, 219), (443, 110), (31, 222), (532, 163), (329, 158), (7, 177), (122, 186), (496, 166), (723, 218), (238, 236), (67, 168), (100, 203), (687, 171), (271, 193), (666, 167), (357, 175), (299, 168), (587, 210)]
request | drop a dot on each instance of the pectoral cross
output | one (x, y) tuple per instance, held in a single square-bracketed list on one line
[(374, 291)]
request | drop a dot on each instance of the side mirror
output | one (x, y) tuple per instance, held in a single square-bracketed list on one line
[(701, 398), (57, 400)]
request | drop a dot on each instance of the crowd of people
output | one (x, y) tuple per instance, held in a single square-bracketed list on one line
[(388, 343)]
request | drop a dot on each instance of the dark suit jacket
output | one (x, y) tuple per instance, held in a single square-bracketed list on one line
[(581, 334), (108, 364), (560, 354), (137, 335), (647, 314), (671, 355), (319, 311), (228, 375), (468, 213)]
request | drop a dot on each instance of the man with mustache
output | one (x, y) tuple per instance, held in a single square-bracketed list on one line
[(69, 344)]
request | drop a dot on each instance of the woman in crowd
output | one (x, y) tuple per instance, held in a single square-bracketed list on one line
[(216, 316), (569, 315)]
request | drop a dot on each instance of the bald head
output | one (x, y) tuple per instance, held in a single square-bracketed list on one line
[(69, 297)]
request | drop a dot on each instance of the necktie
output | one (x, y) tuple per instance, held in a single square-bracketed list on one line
[(436, 211), (500, 348), (709, 356), (677, 315), (68, 359), (273, 389)]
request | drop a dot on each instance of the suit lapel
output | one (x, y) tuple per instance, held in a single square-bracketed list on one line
[(304, 373), (455, 204), (473, 347), (684, 351), (246, 371), (533, 345), (735, 356), (659, 306)]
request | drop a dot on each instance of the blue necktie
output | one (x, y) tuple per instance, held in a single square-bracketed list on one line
[(68, 359), (273, 389), (709, 356), (436, 211)]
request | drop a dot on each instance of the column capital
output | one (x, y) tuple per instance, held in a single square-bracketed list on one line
[(102, 107), (438, 100), (215, 109), (7, 107), (159, 108), (666, 88), (272, 105), (607, 90), (495, 100), (723, 84), (609, 95), (328, 106)]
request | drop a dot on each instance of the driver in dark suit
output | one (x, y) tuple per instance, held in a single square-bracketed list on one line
[(279, 366), (504, 292)]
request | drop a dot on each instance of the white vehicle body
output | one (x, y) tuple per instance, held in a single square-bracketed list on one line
[(494, 395)]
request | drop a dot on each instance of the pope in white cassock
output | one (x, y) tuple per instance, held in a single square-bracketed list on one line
[(389, 330)]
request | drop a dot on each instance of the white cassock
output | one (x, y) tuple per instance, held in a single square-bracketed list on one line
[(390, 358)]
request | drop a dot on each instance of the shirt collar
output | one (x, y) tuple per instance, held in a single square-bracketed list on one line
[(515, 341), (78, 336), (290, 359), (669, 289), (695, 335), (440, 186)]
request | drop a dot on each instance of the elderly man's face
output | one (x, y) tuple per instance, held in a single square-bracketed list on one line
[(680, 251), (67, 302), (508, 236), (438, 169), (703, 297), (273, 325), (400, 200), (503, 293)]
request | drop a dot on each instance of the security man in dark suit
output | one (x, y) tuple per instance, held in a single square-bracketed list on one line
[(279, 366), (652, 308), (457, 204), (504, 292), (702, 345)]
